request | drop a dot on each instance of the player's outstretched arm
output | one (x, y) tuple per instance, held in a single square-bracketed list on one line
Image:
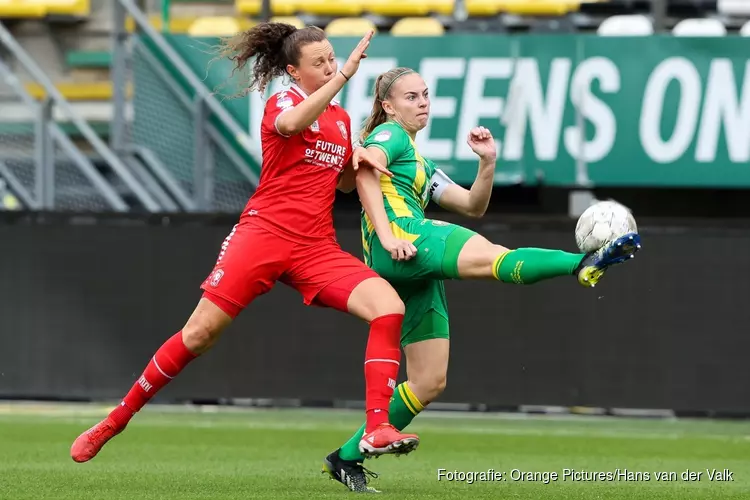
[(305, 113), (471, 202), (301, 116), (361, 156), (371, 196)]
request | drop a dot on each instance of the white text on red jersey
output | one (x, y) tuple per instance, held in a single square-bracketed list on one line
[(326, 154)]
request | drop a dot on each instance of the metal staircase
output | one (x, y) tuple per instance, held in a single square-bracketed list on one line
[(172, 145), (43, 166)]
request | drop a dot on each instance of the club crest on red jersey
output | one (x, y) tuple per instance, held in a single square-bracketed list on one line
[(342, 129), (218, 274)]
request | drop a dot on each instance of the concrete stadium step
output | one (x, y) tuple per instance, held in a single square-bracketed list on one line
[(11, 130), (97, 114)]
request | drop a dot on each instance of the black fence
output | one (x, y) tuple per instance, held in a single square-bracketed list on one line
[(84, 303)]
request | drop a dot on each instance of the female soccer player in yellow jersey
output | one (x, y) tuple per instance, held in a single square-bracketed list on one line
[(416, 254)]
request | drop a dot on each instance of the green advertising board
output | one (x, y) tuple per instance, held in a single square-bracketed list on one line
[(657, 111)]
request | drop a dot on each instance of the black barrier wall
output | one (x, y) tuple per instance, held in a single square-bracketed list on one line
[(84, 306)]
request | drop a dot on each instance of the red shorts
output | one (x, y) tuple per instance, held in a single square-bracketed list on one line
[(253, 259)]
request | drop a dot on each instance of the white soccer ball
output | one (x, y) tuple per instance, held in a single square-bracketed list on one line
[(601, 223)]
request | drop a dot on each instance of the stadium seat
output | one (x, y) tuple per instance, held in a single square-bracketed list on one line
[(73, 8), (214, 26), (249, 7), (181, 25), (11, 8), (331, 7), (293, 20), (77, 91), (745, 30), (398, 8), (733, 7), (632, 25), (178, 25), (44, 8), (278, 7), (539, 7), (443, 7), (699, 27), (482, 8), (417, 26), (350, 26)]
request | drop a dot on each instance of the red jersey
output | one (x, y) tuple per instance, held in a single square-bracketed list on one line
[(299, 174)]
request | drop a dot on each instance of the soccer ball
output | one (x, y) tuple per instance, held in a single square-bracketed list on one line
[(601, 223)]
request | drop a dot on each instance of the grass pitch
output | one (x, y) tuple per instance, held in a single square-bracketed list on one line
[(183, 454)]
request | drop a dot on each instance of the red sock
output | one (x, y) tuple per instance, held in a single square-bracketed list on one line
[(166, 364), (382, 359)]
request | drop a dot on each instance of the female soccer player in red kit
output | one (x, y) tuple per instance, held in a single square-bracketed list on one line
[(286, 233)]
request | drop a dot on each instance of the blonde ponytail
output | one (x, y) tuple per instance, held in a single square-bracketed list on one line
[(382, 92)]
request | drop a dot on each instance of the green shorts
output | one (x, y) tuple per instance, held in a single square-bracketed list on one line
[(419, 281), (426, 314)]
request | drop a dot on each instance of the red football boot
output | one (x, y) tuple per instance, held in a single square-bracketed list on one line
[(88, 444), (386, 439)]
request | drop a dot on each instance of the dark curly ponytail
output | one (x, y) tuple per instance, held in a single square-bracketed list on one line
[(273, 45)]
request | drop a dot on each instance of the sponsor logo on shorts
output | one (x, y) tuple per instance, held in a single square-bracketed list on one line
[(342, 129), (439, 223), (216, 277)]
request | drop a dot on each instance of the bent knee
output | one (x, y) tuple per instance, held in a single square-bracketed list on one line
[(376, 298), (390, 303), (491, 252), (199, 335), (499, 249), (478, 256), (430, 388), (438, 385)]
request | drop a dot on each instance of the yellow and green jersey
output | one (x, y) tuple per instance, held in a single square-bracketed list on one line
[(407, 193), (419, 281)]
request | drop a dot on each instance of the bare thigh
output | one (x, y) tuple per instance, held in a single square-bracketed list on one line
[(374, 297), (478, 257)]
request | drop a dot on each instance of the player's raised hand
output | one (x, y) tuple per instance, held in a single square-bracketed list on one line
[(352, 64), (480, 141), (363, 157), (399, 249)]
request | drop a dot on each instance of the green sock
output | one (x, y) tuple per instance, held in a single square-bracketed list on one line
[(402, 410), (525, 266)]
